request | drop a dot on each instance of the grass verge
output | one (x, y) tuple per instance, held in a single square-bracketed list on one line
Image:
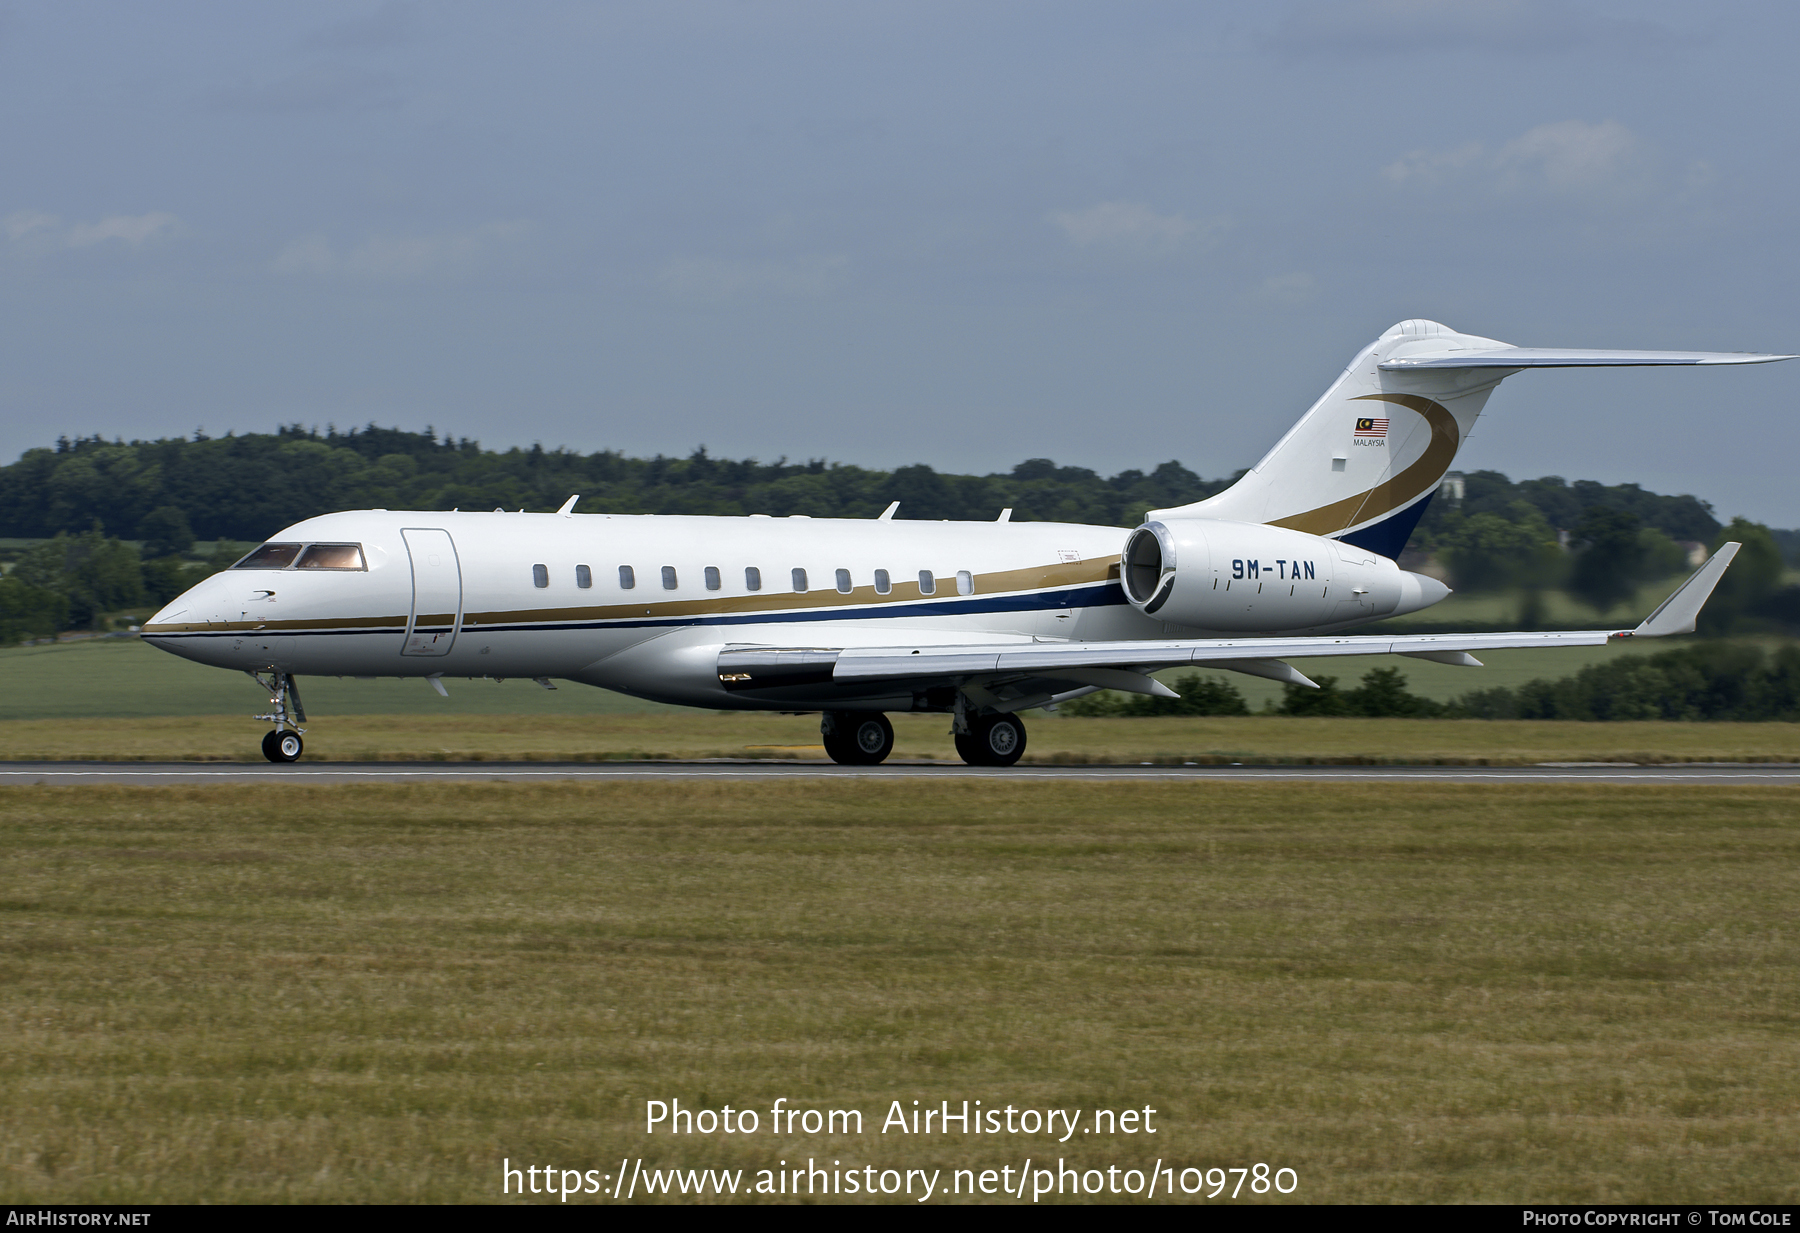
[(685, 735), (1404, 993)]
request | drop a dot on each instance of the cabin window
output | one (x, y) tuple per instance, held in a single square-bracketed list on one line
[(669, 582), (270, 556), (712, 577), (800, 581), (752, 578), (627, 577), (927, 584), (882, 585), (965, 582), (584, 577), (332, 556), (843, 582), (540, 575)]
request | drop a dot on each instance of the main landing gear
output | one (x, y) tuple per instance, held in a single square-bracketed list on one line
[(857, 738), (283, 744), (992, 740), (866, 738)]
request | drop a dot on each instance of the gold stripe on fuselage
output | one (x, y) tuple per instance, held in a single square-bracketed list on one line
[(1014, 581)]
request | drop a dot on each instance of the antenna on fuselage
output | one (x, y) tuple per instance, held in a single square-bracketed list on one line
[(569, 505), (887, 515)]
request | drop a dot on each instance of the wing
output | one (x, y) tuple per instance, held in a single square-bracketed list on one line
[(1015, 676)]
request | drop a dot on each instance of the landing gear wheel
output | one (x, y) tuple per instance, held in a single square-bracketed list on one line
[(279, 746), (997, 740), (857, 738)]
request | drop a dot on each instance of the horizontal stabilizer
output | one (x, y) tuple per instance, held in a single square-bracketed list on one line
[(1677, 614), (1568, 357)]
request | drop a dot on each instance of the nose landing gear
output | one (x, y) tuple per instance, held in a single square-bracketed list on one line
[(279, 746), (283, 744)]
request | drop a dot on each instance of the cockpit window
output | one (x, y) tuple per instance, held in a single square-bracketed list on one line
[(332, 556), (270, 556)]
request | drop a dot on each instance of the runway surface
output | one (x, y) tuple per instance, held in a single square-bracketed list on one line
[(142, 774)]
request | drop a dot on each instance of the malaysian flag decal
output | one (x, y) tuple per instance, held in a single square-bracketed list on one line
[(1367, 427)]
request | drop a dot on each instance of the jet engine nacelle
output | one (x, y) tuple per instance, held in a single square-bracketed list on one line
[(1209, 574)]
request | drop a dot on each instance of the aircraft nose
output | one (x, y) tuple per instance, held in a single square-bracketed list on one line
[(184, 624), (201, 605)]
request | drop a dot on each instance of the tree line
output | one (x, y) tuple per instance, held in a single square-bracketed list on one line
[(1699, 681), (123, 518), (247, 487)]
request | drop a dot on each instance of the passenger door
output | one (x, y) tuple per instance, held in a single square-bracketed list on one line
[(437, 592)]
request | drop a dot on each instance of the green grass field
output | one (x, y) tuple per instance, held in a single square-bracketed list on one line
[(122, 677), (119, 699), (1405, 993)]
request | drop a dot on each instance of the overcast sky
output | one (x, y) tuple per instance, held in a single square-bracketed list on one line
[(962, 234)]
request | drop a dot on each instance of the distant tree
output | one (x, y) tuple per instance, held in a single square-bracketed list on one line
[(28, 611), (1700, 681), (1658, 555), (1208, 695), (1789, 543), (91, 571), (1325, 700), (1383, 695), (165, 532), (1608, 558), (1750, 582), (1493, 551)]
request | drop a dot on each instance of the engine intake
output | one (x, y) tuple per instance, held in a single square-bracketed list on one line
[(1147, 567)]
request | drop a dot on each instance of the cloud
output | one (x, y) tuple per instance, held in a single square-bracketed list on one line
[(404, 258), (390, 25), (318, 88), (712, 280), (42, 232), (1434, 166), (1568, 158), (1288, 290), (1518, 27), (1137, 229)]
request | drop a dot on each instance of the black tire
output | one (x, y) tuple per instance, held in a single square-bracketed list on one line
[(279, 746), (997, 740), (857, 738)]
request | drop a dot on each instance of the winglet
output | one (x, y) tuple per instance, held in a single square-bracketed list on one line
[(1677, 614), (569, 505)]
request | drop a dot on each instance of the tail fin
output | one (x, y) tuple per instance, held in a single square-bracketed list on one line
[(1362, 464)]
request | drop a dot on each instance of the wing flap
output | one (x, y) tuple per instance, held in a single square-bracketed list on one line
[(857, 664)]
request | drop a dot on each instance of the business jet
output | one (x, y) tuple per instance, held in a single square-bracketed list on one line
[(855, 618)]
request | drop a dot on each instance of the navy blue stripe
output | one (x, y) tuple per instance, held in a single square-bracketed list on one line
[(1388, 537)]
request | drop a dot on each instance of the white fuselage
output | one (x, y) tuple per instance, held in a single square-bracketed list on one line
[(502, 595)]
